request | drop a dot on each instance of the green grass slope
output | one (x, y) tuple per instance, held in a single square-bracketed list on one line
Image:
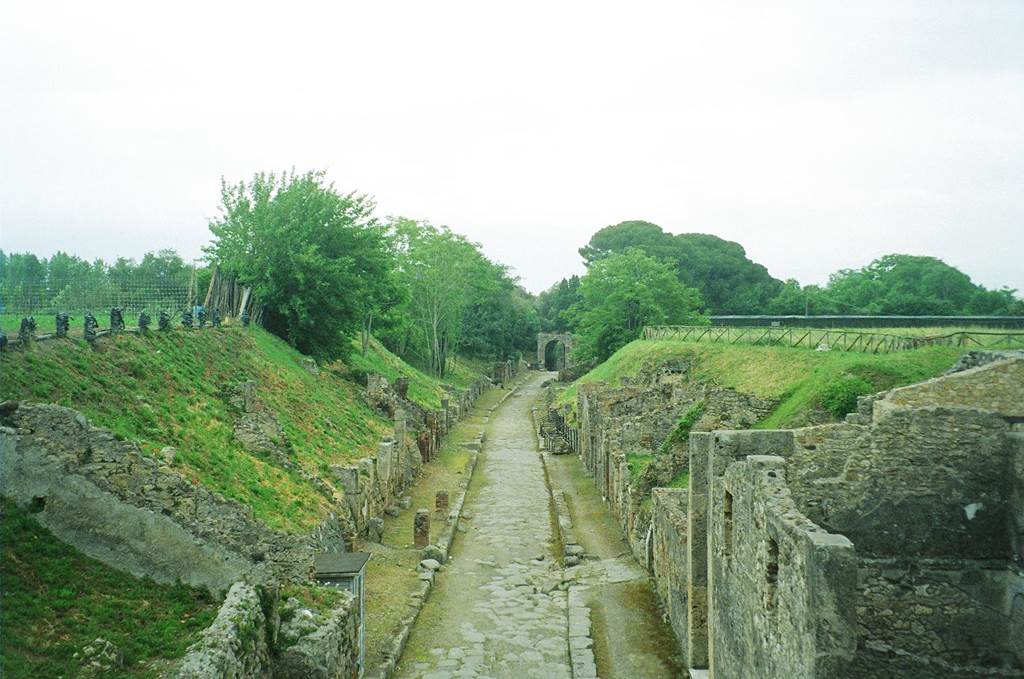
[(804, 381), (56, 601), (170, 389)]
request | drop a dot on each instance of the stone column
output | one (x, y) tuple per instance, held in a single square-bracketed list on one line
[(402, 455), (421, 528), (441, 504), (434, 435)]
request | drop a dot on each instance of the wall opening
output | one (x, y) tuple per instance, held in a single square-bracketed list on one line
[(37, 505), (727, 523), (772, 572), (554, 355)]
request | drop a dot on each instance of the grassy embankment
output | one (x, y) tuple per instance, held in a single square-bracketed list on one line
[(171, 389), (56, 601), (807, 384)]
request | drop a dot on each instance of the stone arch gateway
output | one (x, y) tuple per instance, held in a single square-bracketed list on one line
[(546, 338)]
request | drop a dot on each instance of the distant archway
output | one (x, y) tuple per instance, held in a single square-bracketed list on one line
[(554, 350)]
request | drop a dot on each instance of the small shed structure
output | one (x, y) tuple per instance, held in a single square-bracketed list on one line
[(346, 570)]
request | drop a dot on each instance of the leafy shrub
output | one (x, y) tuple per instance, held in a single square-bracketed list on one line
[(683, 427), (840, 397)]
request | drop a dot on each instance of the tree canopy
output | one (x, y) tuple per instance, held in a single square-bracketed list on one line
[(897, 285), (620, 294), (553, 303), (316, 259), (729, 282), (455, 299)]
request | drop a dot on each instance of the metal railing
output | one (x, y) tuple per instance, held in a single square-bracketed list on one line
[(825, 339)]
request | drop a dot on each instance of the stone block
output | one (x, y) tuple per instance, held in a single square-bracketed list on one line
[(421, 528)]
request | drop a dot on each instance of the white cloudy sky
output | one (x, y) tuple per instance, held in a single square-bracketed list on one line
[(819, 135)]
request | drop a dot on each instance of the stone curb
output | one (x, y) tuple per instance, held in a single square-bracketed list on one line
[(572, 551), (581, 642), (444, 543)]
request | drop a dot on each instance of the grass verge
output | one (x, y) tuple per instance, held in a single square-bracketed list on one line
[(56, 601)]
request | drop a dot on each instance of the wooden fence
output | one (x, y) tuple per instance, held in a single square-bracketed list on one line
[(822, 339)]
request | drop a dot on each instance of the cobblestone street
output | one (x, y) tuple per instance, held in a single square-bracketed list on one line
[(499, 605), (503, 607)]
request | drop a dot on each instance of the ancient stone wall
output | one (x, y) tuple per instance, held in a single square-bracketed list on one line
[(710, 456), (995, 387), (106, 498), (782, 589), (111, 502), (330, 649), (907, 518), (238, 642), (935, 617), (249, 639), (669, 535), (919, 482), (375, 484)]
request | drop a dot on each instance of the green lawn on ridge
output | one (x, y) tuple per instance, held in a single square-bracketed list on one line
[(798, 378)]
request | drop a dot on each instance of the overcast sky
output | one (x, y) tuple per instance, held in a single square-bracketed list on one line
[(819, 135)]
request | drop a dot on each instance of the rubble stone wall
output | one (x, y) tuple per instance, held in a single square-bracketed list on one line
[(239, 641), (926, 482), (105, 498), (995, 387), (669, 534), (782, 589), (911, 512)]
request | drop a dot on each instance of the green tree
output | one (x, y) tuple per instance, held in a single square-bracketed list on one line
[(454, 300), (315, 258), (729, 282), (553, 303), (912, 285), (435, 269), (620, 294)]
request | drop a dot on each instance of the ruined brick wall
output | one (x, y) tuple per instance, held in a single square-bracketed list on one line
[(926, 482), (1017, 495), (637, 418), (374, 484), (669, 535), (711, 453), (782, 589)]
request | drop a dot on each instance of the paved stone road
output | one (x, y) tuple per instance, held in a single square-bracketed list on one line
[(499, 607)]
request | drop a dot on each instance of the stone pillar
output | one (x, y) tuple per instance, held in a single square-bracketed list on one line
[(348, 478), (385, 460), (434, 435), (402, 456), (402, 387), (441, 502), (445, 415), (421, 528), (423, 443), (400, 428)]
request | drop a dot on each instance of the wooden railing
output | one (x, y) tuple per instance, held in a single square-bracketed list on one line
[(841, 340)]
